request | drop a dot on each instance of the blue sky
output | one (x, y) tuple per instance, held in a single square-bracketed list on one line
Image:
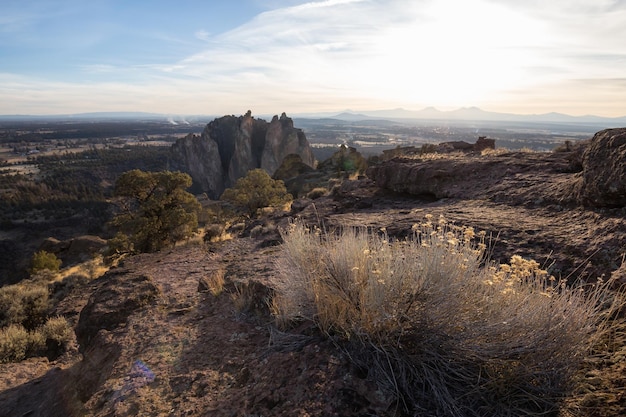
[(225, 57)]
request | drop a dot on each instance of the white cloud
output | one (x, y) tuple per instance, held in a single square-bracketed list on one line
[(415, 52), (335, 54), (203, 35)]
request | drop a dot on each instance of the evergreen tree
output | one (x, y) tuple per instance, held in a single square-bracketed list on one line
[(156, 211), (256, 190)]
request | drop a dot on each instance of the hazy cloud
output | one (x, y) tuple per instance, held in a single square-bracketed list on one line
[(334, 54)]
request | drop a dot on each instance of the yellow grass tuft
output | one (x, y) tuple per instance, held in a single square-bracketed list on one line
[(216, 281)]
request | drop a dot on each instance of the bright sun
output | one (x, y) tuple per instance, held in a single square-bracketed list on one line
[(452, 53)]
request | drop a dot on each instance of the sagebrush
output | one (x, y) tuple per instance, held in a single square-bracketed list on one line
[(437, 325)]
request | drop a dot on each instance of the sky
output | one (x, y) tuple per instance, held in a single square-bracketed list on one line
[(219, 57)]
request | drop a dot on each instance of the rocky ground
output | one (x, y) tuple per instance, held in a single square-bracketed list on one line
[(153, 339)]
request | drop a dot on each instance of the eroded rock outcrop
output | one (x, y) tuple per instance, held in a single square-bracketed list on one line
[(517, 178), (604, 170), (76, 250), (230, 146)]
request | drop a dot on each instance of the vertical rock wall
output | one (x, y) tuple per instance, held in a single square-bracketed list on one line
[(230, 146)]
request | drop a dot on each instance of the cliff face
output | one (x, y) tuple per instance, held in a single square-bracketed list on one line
[(200, 157), (230, 146), (283, 139)]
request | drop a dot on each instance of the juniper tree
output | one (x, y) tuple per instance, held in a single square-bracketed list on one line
[(155, 209)]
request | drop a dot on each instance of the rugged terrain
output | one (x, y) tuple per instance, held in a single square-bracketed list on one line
[(221, 355)]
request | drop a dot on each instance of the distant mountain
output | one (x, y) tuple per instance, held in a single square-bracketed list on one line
[(352, 116), (477, 114), (108, 116), (462, 114)]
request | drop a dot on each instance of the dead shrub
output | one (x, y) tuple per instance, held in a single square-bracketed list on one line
[(433, 326)]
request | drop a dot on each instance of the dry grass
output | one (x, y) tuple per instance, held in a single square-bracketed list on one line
[(494, 152), (216, 281), (317, 192), (92, 269), (216, 233), (434, 326)]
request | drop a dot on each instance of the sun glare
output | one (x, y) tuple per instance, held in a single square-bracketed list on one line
[(455, 55)]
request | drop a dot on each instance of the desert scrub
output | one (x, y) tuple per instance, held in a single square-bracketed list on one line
[(57, 331), (44, 261), (25, 304), (17, 343), (441, 331)]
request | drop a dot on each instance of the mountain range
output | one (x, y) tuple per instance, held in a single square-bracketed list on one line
[(470, 114), (398, 114)]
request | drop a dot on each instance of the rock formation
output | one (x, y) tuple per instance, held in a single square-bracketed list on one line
[(300, 179), (230, 146), (347, 161), (604, 170), (482, 143), (76, 250), (515, 177)]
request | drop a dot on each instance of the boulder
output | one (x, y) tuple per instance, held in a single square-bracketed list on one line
[(76, 250), (433, 179), (604, 170)]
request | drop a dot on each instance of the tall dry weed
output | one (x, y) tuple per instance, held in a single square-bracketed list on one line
[(434, 325)]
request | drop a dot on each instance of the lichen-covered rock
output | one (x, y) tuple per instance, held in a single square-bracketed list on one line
[(231, 146), (604, 170)]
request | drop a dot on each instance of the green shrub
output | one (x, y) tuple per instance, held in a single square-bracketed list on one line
[(43, 260), (255, 191), (435, 327), (213, 232), (13, 343), (119, 244)]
